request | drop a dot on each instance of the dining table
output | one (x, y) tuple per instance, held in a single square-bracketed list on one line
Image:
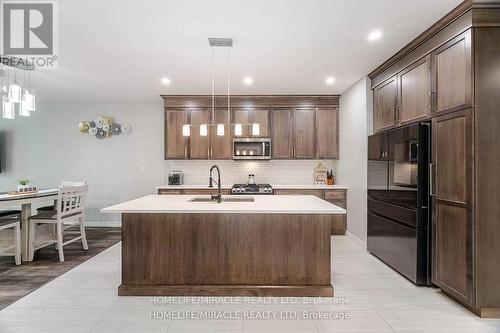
[(25, 201)]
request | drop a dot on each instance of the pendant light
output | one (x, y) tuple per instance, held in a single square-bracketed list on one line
[(16, 97), (186, 130), (7, 108), (203, 130), (22, 108), (15, 92), (256, 129), (29, 95), (220, 129), (238, 130)]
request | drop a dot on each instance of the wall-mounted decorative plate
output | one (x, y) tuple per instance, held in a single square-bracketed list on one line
[(103, 127), (99, 121), (126, 128), (101, 134), (83, 126), (116, 129)]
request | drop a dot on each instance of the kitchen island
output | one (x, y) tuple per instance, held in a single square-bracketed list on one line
[(247, 245)]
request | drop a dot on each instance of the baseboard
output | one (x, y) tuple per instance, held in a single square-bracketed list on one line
[(359, 241), (103, 224)]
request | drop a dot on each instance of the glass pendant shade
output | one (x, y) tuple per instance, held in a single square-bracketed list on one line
[(7, 108), (29, 99), (255, 129), (203, 130), (186, 130), (15, 93), (220, 129), (238, 130), (22, 108)]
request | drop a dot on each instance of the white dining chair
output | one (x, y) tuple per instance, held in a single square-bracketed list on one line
[(12, 220), (69, 212), (63, 183)]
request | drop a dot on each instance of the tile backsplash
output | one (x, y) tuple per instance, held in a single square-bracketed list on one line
[(293, 172)]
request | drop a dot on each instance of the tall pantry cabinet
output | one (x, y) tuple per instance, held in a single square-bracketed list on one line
[(450, 76)]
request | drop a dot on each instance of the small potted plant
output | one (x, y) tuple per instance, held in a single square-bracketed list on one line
[(23, 186)]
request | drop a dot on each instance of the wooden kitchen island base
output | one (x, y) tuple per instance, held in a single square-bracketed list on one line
[(247, 254), (214, 290)]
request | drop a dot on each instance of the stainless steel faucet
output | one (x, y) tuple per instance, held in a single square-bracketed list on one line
[(211, 181)]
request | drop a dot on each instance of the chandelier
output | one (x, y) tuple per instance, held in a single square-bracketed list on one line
[(16, 93), (238, 128)]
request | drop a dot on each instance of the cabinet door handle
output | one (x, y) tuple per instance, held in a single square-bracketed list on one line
[(431, 179)]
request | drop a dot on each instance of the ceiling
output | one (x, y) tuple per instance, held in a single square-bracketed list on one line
[(118, 50)]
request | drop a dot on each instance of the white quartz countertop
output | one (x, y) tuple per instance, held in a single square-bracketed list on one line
[(263, 204), (275, 186)]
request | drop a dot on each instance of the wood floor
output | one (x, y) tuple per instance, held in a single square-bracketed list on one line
[(18, 281)]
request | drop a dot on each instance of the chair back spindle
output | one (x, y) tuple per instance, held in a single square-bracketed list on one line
[(72, 200)]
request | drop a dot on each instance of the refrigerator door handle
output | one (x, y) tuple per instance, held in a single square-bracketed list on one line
[(431, 179)]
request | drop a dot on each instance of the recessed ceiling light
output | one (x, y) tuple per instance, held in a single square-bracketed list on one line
[(375, 35), (330, 80), (165, 80), (248, 81)]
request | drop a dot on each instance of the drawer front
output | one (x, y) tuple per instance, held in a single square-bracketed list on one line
[(171, 192), (393, 243), (317, 193), (335, 195), (341, 203), (401, 214)]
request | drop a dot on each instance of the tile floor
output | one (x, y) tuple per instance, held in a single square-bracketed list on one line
[(370, 297), (18, 281)]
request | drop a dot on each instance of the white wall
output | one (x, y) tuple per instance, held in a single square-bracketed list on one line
[(48, 148), (354, 124)]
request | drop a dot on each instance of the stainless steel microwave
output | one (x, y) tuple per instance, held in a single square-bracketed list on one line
[(252, 149)]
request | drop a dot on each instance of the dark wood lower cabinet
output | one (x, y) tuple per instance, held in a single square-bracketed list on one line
[(337, 197), (226, 254)]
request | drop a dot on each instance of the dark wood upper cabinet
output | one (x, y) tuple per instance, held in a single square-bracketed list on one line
[(452, 206), (175, 143), (415, 91), (282, 133), (221, 146), (452, 71), (327, 133), (243, 116), (249, 116), (384, 104), (309, 133), (261, 117), (198, 145), (305, 133)]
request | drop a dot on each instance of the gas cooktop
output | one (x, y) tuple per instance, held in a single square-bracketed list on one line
[(251, 189)]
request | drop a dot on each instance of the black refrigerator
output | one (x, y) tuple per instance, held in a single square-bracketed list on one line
[(398, 200)]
